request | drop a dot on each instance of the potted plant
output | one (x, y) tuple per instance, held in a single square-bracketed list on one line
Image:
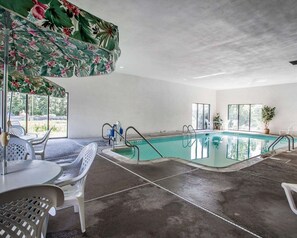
[(217, 122), (268, 114)]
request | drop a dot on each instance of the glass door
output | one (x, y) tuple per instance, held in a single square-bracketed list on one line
[(206, 115), (200, 116)]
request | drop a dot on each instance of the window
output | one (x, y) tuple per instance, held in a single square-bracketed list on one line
[(244, 117), (39, 113), (200, 116)]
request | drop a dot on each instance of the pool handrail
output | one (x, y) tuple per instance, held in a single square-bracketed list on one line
[(184, 131), (189, 133), (190, 126), (279, 138), (127, 143), (132, 127)]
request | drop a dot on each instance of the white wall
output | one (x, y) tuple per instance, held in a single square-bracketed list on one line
[(149, 105), (283, 97)]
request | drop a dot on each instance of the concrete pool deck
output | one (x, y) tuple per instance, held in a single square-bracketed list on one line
[(171, 199)]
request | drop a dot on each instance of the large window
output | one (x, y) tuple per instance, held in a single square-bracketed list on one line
[(200, 116), (39, 113), (244, 117)]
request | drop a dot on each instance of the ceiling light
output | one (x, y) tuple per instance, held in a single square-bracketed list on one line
[(121, 67), (209, 75)]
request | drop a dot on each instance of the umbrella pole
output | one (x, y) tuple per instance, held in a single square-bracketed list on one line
[(4, 134), (9, 113)]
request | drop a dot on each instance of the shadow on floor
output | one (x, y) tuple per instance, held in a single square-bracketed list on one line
[(122, 204)]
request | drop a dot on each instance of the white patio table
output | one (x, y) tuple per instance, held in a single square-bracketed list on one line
[(28, 172)]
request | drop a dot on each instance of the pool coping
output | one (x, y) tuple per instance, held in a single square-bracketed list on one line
[(231, 168)]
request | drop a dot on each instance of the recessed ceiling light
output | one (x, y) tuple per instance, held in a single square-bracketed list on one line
[(185, 79), (121, 67), (209, 75)]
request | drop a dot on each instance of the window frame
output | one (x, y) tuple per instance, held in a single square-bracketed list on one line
[(48, 116), (238, 115), (203, 115)]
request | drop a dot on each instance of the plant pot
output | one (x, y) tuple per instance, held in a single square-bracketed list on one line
[(266, 131)]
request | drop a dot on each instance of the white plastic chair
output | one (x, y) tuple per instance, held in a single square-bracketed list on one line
[(39, 144), (17, 130), (18, 149), (289, 189), (73, 179), (24, 212)]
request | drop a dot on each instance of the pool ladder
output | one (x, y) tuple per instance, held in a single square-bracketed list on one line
[(278, 139), (127, 143), (149, 143), (186, 129), (187, 132)]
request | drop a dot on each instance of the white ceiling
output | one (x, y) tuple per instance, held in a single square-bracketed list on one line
[(218, 44)]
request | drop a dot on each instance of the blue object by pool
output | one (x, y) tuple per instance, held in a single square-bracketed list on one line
[(215, 149)]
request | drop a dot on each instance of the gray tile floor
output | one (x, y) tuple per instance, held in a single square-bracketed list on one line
[(171, 199)]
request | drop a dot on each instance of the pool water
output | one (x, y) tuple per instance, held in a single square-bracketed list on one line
[(215, 149)]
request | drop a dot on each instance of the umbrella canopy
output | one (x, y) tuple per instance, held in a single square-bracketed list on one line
[(52, 38), (33, 85), (57, 39)]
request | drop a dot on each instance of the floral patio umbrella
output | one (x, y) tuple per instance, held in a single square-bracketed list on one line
[(53, 38), (57, 39), (33, 85)]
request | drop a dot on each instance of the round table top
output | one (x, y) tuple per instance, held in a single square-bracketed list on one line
[(23, 173), (28, 137)]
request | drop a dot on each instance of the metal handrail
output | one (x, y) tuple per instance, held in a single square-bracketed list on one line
[(190, 126), (293, 140), (127, 143), (187, 127), (132, 127), (279, 138), (189, 144), (105, 124)]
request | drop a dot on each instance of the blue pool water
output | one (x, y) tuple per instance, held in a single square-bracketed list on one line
[(215, 149)]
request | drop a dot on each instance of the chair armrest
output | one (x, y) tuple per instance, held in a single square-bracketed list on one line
[(67, 166), (69, 181), (35, 141)]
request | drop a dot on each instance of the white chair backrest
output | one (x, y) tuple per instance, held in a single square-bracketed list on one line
[(76, 172), (17, 130), (44, 139), (88, 154), (18, 149), (24, 211)]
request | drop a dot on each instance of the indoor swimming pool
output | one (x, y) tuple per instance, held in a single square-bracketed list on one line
[(217, 150)]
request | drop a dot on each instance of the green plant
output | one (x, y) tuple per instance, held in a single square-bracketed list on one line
[(268, 114), (217, 121)]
